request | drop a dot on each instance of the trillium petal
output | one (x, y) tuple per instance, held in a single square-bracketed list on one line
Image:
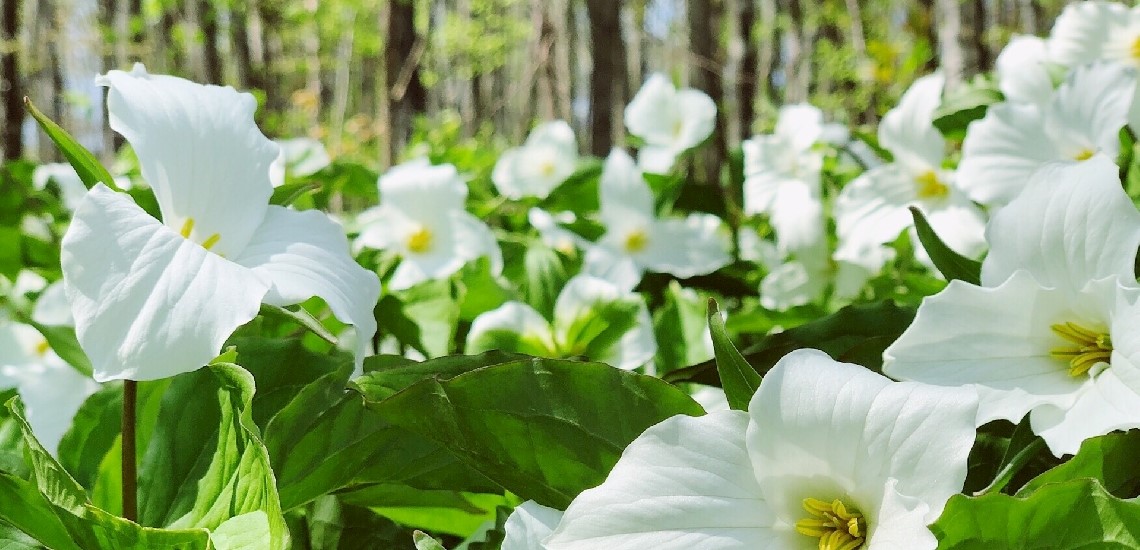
[(148, 303), (71, 188), (960, 224), (200, 151), (1101, 406), (908, 130), (685, 247), (1002, 150), (1072, 224), (1090, 108), (871, 209), (904, 525), (791, 285), (528, 525), (535, 335), (998, 338), (1022, 72), (656, 159), (607, 262), (698, 114), (305, 254), (474, 239), (421, 191), (823, 429), (651, 114), (52, 307), (685, 483), (51, 389), (622, 190), (581, 296), (554, 235), (1078, 35), (535, 169), (800, 124)]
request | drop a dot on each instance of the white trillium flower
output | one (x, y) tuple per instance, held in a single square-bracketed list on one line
[(669, 121), (782, 177), (549, 156), (636, 240), (806, 277), (51, 389), (422, 218), (71, 188), (1091, 31), (554, 235), (1012, 141), (873, 208), (528, 525), (154, 299), (576, 321), (1052, 331), (300, 157), (827, 453), (1022, 70)]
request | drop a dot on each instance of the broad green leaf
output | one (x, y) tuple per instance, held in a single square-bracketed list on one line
[(14, 539), (966, 104), (441, 511), (737, 377), (329, 524), (85, 163), (425, 542), (396, 374), (287, 194), (1110, 459), (951, 264), (11, 258), (64, 343), (93, 432), (248, 531), (301, 317), (681, 328), (545, 277), (1058, 516), (600, 327), (511, 341), (423, 317), (543, 429), (479, 291), (855, 334), (11, 440)]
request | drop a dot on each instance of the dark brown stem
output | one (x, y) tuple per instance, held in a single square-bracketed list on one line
[(130, 468)]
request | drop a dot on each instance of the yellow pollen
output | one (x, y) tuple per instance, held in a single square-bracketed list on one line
[(420, 241), (1135, 50), (636, 241), (836, 526), (930, 187), (546, 169), (1085, 154), (678, 127), (187, 228), (42, 348), (1090, 347), (211, 241)]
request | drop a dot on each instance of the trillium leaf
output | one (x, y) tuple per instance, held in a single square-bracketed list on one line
[(1109, 459), (545, 277), (1060, 516), (301, 317), (53, 509), (951, 264), (967, 104), (85, 163), (425, 542), (287, 194), (737, 377), (385, 378), (680, 326), (93, 433), (543, 429), (62, 340)]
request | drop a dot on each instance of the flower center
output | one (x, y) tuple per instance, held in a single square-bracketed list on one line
[(678, 127), (1084, 154), (836, 526), (1135, 49), (420, 241), (636, 241), (929, 186), (1089, 347), (546, 168), (42, 348), (188, 227)]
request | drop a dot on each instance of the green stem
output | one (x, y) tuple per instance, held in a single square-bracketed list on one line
[(130, 468), (1015, 464)]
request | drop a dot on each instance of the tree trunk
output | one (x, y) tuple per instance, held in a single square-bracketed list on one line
[(10, 81), (704, 27), (243, 55), (406, 94), (747, 76), (608, 73), (211, 57)]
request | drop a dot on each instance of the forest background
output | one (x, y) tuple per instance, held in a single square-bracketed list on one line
[(364, 76)]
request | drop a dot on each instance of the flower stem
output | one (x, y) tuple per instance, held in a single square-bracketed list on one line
[(130, 468), (1015, 464)]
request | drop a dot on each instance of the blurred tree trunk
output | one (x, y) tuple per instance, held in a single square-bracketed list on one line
[(10, 81), (704, 27), (272, 20), (769, 47), (243, 55), (608, 75), (342, 80), (560, 67), (211, 56), (747, 76), (406, 94)]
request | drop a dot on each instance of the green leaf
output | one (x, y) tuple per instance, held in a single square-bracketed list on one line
[(680, 326), (965, 105), (301, 317), (543, 429), (288, 193), (245, 532), (951, 264), (1058, 516), (545, 277), (63, 342), (382, 382), (1110, 459), (85, 163), (600, 327), (94, 431), (737, 377), (479, 291), (424, 317), (854, 334), (425, 542)]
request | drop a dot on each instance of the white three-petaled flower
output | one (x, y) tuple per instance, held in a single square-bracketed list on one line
[(669, 121), (1052, 331), (422, 218), (548, 157), (154, 299), (827, 452), (1091, 31), (636, 240)]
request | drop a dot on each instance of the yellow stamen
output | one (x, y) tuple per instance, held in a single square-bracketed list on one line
[(636, 241), (678, 127), (546, 169), (1084, 154), (929, 186), (1090, 347), (836, 526), (211, 241), (187, 228), (1135, 50), (42, 348), (420, 241)]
